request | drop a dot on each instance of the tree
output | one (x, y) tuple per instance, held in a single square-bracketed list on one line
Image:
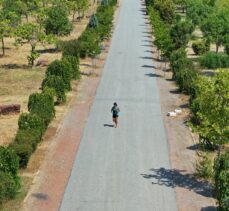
[(166, 9), (57, 22), (93, 23), (216, 27), (210, 108), (29, 32), (197, 11), (181, 32)]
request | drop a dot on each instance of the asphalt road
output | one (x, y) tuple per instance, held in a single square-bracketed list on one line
[(120, 169)]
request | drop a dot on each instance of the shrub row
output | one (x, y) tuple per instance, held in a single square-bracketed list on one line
[(99, 27)]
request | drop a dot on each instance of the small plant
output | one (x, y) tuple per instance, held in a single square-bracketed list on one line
[(221, 168), (213, 60), (200, 47), (204, 165)]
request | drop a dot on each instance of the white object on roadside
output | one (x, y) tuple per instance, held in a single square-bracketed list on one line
[(171, 113), (178, 111)]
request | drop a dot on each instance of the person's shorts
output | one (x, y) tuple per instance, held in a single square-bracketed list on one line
[(115, 116)]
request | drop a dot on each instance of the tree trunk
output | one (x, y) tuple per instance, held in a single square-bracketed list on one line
[(27, 18), (3, 47), (217, 47)]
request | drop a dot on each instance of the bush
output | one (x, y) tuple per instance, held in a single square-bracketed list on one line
[(23, 151), (89, 43), (57, 21), (63, 69), (31, 121), (9, 181), (30, 136), (8, 187), (213, 60), (74, 61), (8, 161), (42, 104), (57, 83), (204, 166), (221, 168), (200, 47)]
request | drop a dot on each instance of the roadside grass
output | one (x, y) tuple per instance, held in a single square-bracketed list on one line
[(15, 204)]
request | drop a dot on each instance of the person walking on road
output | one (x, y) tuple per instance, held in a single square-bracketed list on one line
[(115, 112)]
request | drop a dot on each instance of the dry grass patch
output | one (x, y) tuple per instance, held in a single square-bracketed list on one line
[(17, 81)]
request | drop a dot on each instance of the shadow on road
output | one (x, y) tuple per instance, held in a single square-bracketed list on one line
[(153, 75), (108, 125), (40, 196), (148, 66), (178, 178), (209, 208)]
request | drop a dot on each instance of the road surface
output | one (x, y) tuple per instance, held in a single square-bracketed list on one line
[(113, 167)]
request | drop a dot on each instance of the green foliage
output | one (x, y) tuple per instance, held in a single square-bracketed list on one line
[(213, 60), (221, 168), (28, 136), (93, 23), (74, 61), (57, 21), (183, 71), (216, 27), (31, 121), (105, 19), (57, 83), (166, 9), (9, 181), (69, 48), (89, 43), (204, 165), (42, 104), (198, 11), (23, 151), (8, 187), (8, 162), (181, 33), (210, 109), (63, 69), (163, 40), (200, 47)]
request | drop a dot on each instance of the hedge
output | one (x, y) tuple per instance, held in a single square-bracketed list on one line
[(31, 121), (9, 181), (57, 83), (42, 104), (63, 69)]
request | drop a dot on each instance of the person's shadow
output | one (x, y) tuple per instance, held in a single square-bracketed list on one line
[(108, 125)]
